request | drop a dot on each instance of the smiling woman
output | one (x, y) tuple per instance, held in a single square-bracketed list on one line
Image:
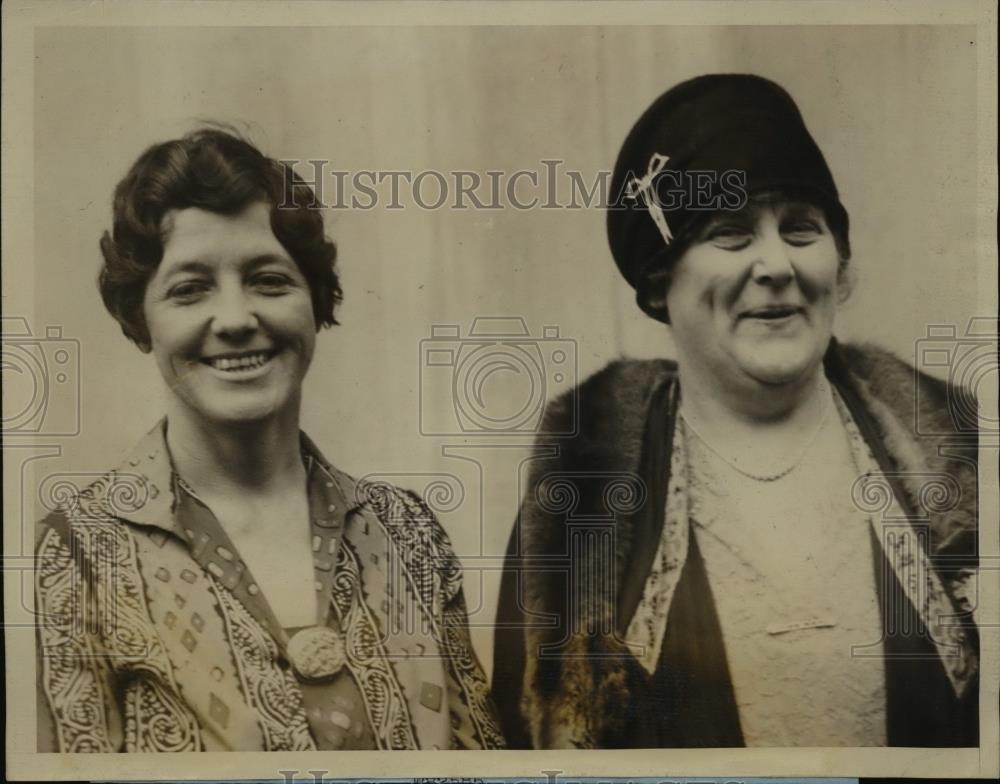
[(226, 588), (744, 593), (229, 316), (753, 299)]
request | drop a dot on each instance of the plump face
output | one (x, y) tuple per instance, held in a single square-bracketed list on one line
[(753, 298), (230, 316)]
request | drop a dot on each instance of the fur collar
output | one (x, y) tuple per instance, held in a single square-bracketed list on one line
[(575, 696)]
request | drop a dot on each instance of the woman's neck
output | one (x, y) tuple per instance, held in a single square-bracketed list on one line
[(776, 409), (762, 448), (249, 459)]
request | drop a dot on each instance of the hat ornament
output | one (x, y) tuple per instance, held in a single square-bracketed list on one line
[(644, 186)]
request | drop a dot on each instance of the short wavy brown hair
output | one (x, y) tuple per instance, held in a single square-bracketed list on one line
[(214, 169)]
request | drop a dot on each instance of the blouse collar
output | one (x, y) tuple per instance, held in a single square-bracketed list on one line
[(143, 490)]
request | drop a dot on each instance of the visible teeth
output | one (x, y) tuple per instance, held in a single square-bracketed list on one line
[(248, 362)]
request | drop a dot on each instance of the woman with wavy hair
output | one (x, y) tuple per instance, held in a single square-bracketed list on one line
[(225, 587)]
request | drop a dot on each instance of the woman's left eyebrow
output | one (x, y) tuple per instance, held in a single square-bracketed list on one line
[(255, 262), (743, 214), (801, 210), (191, 265)]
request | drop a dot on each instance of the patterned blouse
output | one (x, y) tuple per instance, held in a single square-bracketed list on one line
[(153, 636)]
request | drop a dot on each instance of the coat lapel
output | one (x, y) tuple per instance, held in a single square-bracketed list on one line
[(579, 694)]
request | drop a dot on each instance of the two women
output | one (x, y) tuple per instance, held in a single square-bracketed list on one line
[(702, 565), (786, 561), (225, 587)]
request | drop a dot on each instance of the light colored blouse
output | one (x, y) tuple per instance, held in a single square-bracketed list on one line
[(820, 510), (789, 563)]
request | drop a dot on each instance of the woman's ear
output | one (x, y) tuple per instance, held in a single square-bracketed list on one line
[(651, 295), (846, 280)]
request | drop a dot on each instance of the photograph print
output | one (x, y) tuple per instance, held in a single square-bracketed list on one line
[(529, 387)]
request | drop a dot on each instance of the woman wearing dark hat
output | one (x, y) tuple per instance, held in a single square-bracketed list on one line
[(226, 588), (783, 561)]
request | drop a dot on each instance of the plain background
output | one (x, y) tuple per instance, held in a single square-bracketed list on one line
[(892, 108)]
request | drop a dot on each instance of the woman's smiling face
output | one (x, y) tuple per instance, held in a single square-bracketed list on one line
[(230, 316), (753, 297)]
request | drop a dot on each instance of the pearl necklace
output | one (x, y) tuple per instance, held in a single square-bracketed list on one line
[(778, 474)]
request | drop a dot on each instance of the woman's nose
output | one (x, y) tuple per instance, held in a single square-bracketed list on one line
[(772, 263), (234, 313)]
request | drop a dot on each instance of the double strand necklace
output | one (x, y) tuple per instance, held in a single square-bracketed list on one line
[(778, 474)]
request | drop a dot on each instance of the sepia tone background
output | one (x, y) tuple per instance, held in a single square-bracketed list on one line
[(899, 111), (892, 108)]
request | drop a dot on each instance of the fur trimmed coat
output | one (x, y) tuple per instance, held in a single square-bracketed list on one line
[(563, 676)]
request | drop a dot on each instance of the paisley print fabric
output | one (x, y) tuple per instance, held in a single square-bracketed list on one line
[(422, 545), (152, 635), (80, 666)]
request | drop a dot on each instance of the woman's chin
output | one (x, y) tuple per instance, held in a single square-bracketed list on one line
[(244, 418), (779, 371), (233, 411), (782, 362)]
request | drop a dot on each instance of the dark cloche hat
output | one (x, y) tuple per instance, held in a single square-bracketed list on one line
[(704, 145)]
